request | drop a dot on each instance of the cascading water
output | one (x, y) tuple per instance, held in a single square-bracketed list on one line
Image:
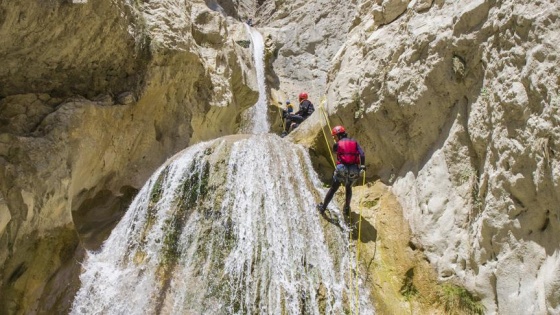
[(225, 227), (255, 117)]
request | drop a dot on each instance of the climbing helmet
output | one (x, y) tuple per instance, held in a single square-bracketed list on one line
[(338, 130)]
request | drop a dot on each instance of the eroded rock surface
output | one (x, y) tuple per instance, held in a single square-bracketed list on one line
[(455, 103), (457, 106), (91, 114)]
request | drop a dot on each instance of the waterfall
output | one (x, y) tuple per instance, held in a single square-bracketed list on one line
[(227, 226), (256, 116)]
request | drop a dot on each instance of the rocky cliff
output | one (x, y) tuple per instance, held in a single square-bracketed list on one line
[(95, 96), (455, 103)]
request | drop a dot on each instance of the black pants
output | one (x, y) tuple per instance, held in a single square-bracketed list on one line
[(330, 194), (347, 174), (292, 119)]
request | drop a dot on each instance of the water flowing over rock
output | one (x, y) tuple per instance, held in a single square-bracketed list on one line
[(456, 104), (256, 117), (224, 229)]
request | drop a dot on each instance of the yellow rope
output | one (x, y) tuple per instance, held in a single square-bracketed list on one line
[(359, 244), (281, 118), (323, 130), (324, 112)]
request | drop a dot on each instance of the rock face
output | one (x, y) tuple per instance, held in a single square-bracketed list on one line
[(89, 117), (457, 107), (305, 37), (455, 103)]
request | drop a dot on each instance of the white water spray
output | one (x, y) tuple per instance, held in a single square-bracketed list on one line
[(225, 227), (256, 116)]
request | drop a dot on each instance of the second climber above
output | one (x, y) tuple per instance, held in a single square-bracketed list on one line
[(306, 108)]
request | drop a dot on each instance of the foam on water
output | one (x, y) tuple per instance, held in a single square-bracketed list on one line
[(225, 227)]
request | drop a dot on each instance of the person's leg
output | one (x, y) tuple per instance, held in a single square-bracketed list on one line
[(330, 194), (287, 123), (293, 126), (348, 198), (296, 118)]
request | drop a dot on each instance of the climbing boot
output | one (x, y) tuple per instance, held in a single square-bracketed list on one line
[(321, 208)]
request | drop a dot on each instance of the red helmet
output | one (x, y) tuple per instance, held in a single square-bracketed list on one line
[(302, 96), (338, 130)]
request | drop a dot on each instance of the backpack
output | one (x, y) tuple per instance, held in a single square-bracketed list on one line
[(347, 151), (310, 109)]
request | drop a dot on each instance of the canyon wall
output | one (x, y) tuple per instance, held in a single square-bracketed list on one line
[(455, 103), (94, 97)]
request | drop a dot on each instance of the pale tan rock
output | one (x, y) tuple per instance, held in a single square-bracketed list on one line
[(458, 115), (20, 114), (103, 100), (71, 163), (456, 104), (5, 217), (421, 5), (393, 9), (126, 98)]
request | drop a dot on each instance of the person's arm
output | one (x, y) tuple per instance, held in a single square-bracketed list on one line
[(302, 108), (362, 155)]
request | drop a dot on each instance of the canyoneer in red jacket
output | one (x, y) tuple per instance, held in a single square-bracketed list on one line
[(350, 163)]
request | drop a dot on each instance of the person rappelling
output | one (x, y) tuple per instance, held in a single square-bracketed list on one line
[(349, 165), (306, 108)]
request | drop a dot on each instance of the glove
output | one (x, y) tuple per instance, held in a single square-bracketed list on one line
[(362, 167)]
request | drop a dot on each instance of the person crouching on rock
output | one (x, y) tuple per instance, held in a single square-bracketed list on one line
[(306, 108)]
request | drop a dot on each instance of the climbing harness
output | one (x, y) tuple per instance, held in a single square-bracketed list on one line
[(358, 245)]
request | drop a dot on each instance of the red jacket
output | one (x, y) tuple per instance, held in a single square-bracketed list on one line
[(348, 151)]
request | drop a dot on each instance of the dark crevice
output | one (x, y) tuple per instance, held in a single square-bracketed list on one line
[(16, 274)]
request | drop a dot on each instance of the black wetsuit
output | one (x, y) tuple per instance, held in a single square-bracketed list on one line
[(306, 108)]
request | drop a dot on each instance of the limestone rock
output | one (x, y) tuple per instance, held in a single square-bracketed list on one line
[(455, 103), (126, 98), (459, 117), (103, 100), (386, 11), (306, 37), (71, 162), (421, 5), (20, 114)]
